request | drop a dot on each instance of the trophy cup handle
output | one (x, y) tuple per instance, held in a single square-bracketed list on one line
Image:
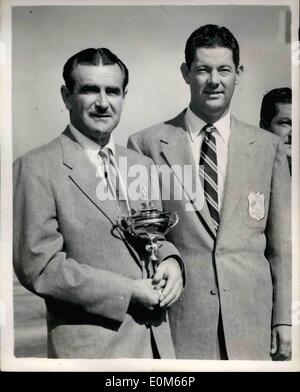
[(175, 220), (172, 224), (125, 224)]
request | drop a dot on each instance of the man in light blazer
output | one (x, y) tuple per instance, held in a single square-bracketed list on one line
[(235, 239), (101, 299)]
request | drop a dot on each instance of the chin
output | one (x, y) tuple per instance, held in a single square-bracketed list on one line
[(216, 103), (214, 108), (101, 131)]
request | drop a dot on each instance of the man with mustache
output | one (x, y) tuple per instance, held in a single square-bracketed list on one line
[(68, 195), (236, 244)]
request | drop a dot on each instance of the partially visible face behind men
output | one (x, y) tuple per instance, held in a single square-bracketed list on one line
[(96, 102), (281, 124), (212, 78)]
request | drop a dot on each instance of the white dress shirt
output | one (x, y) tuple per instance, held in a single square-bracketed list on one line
[(92, 150), (194, 126)]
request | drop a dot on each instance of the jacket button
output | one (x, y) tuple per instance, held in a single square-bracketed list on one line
[(214, 291)]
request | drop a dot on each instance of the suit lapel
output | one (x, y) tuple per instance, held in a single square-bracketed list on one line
[(176, 150), (239, 153), (84, 175)]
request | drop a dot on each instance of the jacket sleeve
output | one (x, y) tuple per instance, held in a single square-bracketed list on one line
[(278, 232), (39, 252)]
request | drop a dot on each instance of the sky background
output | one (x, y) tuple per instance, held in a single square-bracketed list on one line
[(150, 40)]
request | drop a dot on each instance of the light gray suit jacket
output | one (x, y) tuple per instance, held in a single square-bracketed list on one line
[(245, 271), (68, 250)]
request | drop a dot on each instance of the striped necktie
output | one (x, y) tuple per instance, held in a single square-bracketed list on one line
[(114, 181), (209, 172), (109, 174)]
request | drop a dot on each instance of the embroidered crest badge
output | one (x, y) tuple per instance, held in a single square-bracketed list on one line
[(256, 205)]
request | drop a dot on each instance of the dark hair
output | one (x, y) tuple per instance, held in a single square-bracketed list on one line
[(270, 100), (211, 36), (92, 56)]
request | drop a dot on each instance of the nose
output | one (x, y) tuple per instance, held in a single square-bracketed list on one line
[(101, 101), (214, 79)]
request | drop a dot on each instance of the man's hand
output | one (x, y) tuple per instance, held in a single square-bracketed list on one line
[(145, 293), (169, 271), (281, 343)]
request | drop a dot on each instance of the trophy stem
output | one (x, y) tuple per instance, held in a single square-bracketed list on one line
[(152, 249), (144, 270)]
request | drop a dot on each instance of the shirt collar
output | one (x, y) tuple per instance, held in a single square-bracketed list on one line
[(195, 124), (223, 127), (89, 145)]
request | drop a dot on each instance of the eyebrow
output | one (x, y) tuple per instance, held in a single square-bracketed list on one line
[(89, 87), (285, 119), (218, 67), (96, 89)]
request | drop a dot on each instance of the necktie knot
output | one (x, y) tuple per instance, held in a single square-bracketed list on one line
[(208, 130), (104, 153)]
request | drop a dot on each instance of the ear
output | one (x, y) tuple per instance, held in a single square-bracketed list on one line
[(239, 73), (185, 73), (124, 94), (66, 96)]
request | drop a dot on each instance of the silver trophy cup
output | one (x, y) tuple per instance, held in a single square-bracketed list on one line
[(151, 224)]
